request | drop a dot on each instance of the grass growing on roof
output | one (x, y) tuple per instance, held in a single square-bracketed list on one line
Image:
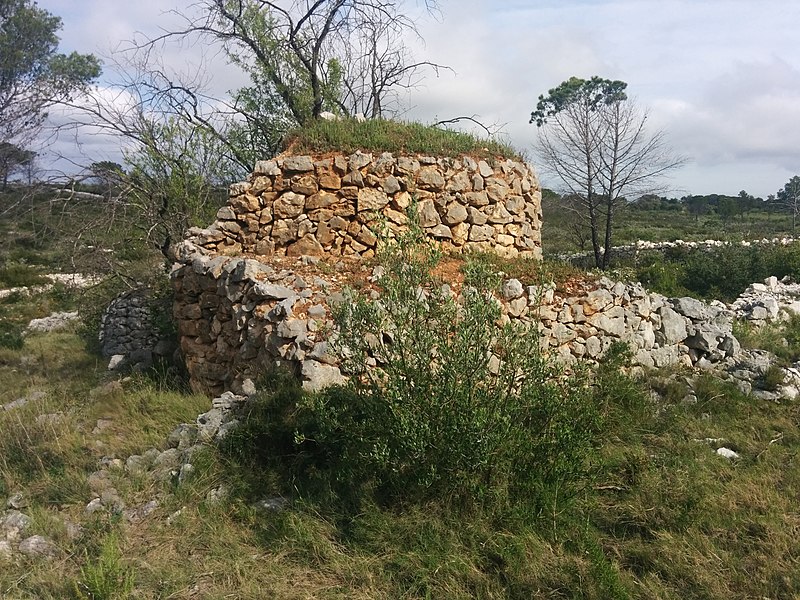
[(378, 135)]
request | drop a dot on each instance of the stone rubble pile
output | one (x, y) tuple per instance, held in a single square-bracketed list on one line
[(70, 280), (772, 300), (55, 322), (341, 205)]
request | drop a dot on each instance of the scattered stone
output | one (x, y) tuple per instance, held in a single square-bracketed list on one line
[(38, 545), (55, 322), (727, 453)]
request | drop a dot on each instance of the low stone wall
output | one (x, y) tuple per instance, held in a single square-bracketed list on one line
[(342, 205), (128, 332), (236, 316)]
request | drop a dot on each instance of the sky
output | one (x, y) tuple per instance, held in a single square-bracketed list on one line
[(720, 77)]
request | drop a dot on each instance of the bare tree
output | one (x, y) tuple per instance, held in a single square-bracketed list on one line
[(594, 139), (346, 56)]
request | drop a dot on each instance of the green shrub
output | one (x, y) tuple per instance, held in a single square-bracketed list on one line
[(20, 275), (722, 273), (106, 577), (10, 335), (458, 408)]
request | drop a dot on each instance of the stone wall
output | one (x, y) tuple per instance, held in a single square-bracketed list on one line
[(129, 335), (342, 205), (236, 316)]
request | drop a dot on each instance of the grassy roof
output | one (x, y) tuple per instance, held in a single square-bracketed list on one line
[(378, 135)]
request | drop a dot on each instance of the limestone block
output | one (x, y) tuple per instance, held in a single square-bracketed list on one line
[(481, 233), (476, 198), (441, 231), (460, 233), (484, 169), (516, 205), (344, 209), (297, 163), (289, 206), (267, 167), (245, 203), (497, 189), (371, 199), (323, 214), (476, 217), (460, 182), (340, 164), (694, 309), (395, 216), (366, 237), (305, 226), (238, 189), (428, 217), (430, 178), (284, 231), (597, 300), (512, 288), (407, 165), (518, 307), (317, 376), (271, 291), (329, 181), (383, 164), (353, 179), (359, 160), (562, 333), (456, 213), (306, 185), (226, 213), (498, 214), (672, 329), (611, 321), (391, 185), (505, 240), (705, 338)]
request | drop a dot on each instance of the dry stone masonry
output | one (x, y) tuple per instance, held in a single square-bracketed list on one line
[(238, 315), (129, 335), (341, 205), (256, 287)]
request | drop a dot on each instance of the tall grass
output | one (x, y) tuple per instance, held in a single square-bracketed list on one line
[(378, 135)]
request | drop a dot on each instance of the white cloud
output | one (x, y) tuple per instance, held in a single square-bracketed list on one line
[(722, 77)]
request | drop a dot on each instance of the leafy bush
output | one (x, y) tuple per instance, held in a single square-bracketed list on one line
[(454, 408), (18, 274), (10, 335), (722, 273)]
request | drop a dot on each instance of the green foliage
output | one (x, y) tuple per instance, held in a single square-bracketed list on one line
[(10, 335), (34, 74), (178, 179), (379, 135), (460, 409), (106, 577), (591, 93), (722, 272), (18, 274)]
